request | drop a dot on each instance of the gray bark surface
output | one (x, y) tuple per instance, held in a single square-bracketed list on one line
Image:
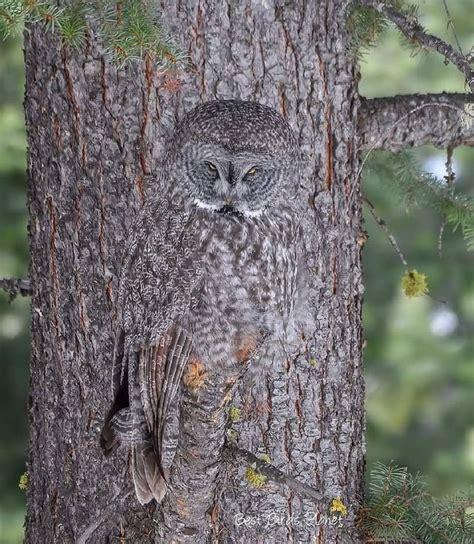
[(95, 134)]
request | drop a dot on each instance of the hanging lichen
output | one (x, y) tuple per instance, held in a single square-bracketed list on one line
[(23, 482), (414, 284)]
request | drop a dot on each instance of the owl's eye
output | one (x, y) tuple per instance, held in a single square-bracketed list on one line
[(252, 171), (211, 167)]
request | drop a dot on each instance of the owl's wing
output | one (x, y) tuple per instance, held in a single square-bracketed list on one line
[(160, 371), (152, 346)]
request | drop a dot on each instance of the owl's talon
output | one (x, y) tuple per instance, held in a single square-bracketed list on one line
[(262, 409), (195, 375), (246, 348)]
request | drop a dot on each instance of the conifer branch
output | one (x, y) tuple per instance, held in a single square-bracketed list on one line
[(131, 30), (15, 287), (398, 509), (417, 188), (397, 122), (411, 28)]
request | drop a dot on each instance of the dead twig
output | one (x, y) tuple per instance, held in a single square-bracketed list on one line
[(15, 287)]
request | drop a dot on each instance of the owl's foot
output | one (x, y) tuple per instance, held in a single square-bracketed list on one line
[(246, 347), (195, 375), (262, 409)]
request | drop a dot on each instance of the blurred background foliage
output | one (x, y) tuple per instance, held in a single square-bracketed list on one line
[(419, 352), (419, 356)]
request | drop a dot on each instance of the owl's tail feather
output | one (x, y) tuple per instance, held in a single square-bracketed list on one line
[(122, 430), (119, 430), (147, 477)]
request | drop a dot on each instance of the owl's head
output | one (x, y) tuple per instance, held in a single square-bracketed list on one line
[(233, 157)]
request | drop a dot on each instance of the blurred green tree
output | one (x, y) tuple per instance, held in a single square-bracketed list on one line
[(14, 318)]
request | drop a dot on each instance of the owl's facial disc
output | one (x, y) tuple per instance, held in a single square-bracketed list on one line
[(229, 192), (241, 184)]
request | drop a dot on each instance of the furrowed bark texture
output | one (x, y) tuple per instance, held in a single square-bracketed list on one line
[(95, 135), (396, 122)]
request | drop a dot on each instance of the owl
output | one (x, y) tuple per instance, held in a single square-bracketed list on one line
[(212, 270)]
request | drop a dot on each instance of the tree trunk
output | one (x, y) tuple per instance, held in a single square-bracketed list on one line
[(95, 135)]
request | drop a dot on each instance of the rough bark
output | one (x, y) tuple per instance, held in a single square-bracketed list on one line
[(95, 135), (396, 122)]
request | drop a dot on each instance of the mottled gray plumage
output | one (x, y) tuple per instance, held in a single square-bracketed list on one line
[(213, 267)]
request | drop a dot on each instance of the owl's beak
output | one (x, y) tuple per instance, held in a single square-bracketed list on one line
[(229, 207), (230, 211)]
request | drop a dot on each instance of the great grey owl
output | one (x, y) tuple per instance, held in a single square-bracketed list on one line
[(212, 267)]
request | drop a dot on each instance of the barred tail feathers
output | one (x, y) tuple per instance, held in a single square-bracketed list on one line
[(147, 478)]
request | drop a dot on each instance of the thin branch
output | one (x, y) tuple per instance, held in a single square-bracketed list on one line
[(384, 227), (15, 287), (451, 24), (412, 29), (398, 122), (272, 473), (449, 178), (442, 228)]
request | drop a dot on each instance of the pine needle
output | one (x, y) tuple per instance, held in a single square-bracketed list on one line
[(398, 508), (131, 30), (420, 189)]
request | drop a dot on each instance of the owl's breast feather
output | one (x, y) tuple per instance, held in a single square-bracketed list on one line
[(249, 266)]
